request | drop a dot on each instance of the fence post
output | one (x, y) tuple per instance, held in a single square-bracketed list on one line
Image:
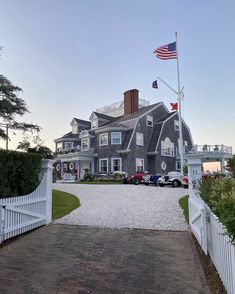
[(233, 267), (46, 171), (1, 223)]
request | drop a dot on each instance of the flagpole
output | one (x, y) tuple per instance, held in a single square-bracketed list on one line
[(181, 151)]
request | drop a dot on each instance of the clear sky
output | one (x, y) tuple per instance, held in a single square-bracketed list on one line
[(71, 57)]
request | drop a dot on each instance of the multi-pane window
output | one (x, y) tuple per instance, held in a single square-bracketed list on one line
[(103, 139), (85, 144), (103, 166), (116, 164), (68, 145), (116, 138), (167, 148), (149, 120), (140, 139), (139, 165)]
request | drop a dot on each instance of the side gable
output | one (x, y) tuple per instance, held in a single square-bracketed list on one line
[(163, 123), (155, 107)]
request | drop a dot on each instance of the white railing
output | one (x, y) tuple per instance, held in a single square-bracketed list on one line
[(23, 213), (211, 148), (221, 250)]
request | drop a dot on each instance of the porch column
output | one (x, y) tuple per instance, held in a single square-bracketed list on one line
[(78, 169), (194, 172), (222, 162)]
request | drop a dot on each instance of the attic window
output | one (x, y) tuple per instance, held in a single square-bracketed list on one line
[(176, 125), (149, 121), (93, 124)]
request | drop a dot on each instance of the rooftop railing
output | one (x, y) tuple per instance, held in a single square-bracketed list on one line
[(211, 148)]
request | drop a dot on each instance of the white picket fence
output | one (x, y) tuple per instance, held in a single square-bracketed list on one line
[(221, 251), (21, 214)]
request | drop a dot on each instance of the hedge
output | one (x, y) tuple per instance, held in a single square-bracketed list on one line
[(19, 173), (219, 194)]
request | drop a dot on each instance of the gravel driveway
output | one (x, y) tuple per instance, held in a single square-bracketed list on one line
[(126, 206)]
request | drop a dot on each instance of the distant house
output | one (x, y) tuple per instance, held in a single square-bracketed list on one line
[(144, 139)]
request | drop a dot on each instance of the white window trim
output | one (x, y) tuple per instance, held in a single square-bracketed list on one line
[(176, 124), (136, 163), (86, 149), (100, 139), (120, 133), (65, 147), (151, 120), (168, 155), (115, 158), (142, 137), (102, 159)]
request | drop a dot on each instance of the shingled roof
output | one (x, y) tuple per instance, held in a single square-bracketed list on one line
[(82, 121), (127, 117)]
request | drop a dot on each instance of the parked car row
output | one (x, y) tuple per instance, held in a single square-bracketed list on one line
[(174, 179)]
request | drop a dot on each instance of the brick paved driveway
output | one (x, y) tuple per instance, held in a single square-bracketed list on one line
[(74, 259)]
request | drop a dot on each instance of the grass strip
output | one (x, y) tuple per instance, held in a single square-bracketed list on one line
[(63, 203), (183, 202)]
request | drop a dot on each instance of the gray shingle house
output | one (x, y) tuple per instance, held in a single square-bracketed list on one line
[(139, 140)]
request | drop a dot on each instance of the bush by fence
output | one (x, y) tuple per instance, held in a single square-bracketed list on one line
[(19, 173), (219, 194)]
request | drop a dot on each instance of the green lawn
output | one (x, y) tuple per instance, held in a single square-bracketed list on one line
[(63, 203), (183, 202)]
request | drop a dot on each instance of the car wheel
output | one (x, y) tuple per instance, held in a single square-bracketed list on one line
[(124, 181), (161, 184), (175, 184), (136, 182)]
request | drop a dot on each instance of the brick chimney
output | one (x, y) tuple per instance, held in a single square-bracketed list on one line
[(131, 101)]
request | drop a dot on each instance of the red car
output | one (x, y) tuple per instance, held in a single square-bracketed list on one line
[(134, 179), (184, 182)]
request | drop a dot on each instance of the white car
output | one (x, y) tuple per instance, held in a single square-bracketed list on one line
[(172, 178)]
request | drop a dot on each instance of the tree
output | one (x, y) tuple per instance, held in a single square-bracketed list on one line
[(44, 151), (11, 106), (231, 165)]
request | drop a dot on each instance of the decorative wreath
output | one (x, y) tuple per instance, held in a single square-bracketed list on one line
[(57, 167), (71, 166)]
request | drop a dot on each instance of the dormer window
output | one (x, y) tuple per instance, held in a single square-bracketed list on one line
[(68, 145), (94, 124)]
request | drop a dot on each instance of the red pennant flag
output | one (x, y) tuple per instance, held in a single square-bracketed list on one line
[(174, 106)]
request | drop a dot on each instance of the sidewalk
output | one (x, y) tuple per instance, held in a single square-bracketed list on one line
[(72, 259)]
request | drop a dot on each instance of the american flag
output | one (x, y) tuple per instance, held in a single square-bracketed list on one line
[(166, 51)]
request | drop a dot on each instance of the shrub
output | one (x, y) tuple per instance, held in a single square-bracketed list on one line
[(88, 177), (219, 194), (19, 173)]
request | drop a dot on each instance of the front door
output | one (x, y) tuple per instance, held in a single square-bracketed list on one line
[(85, 166)]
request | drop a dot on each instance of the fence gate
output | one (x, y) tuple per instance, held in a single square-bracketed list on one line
[(23, 213), (197, 220)]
